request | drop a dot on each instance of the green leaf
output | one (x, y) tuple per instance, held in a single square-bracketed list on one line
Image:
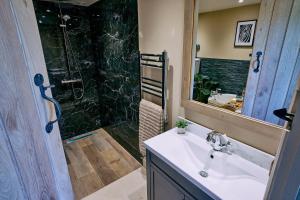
[(181, 124)]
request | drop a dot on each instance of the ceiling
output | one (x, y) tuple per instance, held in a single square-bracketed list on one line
[(75, 2), (204, 5), (213, 5)]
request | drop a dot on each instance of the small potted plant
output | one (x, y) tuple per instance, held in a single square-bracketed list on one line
[(181, 126)]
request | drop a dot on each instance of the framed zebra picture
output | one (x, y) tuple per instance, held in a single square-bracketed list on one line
[(244, 35)]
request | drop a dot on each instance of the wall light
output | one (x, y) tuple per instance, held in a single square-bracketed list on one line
[(241, 1)]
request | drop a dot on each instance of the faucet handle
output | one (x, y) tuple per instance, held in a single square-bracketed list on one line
[(219, 142), (226, 144), (210, 136), (224, 141)]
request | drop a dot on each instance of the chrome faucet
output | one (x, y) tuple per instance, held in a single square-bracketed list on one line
[(215, 93), (219, 142)]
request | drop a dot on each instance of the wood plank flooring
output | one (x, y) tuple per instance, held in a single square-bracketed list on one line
[(126, 134), (97, 161)]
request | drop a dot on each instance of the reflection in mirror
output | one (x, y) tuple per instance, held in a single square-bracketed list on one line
[(223, 47)]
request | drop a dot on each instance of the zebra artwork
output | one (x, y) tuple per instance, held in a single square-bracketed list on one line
[(245, 33)]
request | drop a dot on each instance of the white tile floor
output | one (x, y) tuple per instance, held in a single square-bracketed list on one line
[(130, 187)]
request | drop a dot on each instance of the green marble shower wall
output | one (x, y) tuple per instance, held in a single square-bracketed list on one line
[(104, 40), (114, 26)]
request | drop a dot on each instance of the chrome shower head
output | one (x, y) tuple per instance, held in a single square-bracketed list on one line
[(66, 17)]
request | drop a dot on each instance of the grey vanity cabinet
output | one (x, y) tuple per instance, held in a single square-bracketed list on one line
[(164, 188), (165, 183)]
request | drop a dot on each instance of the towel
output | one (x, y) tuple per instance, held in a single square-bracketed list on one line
[(151, 122)]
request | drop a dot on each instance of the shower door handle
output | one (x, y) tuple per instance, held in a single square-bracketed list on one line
[(39, 81)]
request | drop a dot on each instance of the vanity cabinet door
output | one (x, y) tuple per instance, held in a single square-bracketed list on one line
[(164, 188), (165, 183)]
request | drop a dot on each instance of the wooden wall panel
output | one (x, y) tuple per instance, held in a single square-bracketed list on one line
[(189, 8), (287, 72), (295, 83), (33, 53), (275, 77), (285, 175), (18, 113), (11, 186), (261, 36), (271, 57), (36, 157)]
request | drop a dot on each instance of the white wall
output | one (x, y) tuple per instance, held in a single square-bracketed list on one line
[(161, 24)]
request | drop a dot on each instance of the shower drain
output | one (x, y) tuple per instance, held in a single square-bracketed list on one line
[(203, 174)]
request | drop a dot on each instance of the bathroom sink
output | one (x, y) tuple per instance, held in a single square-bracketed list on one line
[(229, 176), (217, 164), (220, 99)]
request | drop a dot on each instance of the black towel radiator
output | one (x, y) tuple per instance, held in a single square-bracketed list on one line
[(151, 86)]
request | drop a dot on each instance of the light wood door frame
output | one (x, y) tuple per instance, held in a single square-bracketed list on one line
[(285, 177), (32, 162)]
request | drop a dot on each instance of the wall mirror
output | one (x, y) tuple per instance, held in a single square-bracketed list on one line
[(237, 65)]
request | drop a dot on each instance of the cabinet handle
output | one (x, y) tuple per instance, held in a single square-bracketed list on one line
[(39, 81)]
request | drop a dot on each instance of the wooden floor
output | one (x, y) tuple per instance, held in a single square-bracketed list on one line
[(97, 161)]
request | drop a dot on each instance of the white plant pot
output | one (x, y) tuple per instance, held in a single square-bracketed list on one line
[(181, 130)]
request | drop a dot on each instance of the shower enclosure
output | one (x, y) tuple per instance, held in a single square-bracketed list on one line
[(91, 54)]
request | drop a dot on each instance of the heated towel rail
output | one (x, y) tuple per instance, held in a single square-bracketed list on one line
[(152, 86)]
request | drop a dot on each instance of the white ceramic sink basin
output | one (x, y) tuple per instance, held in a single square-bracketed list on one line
[(229, 176), (221, 99), (220, 166)]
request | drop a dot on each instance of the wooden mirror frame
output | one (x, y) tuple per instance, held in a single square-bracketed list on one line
[(257, 133)]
